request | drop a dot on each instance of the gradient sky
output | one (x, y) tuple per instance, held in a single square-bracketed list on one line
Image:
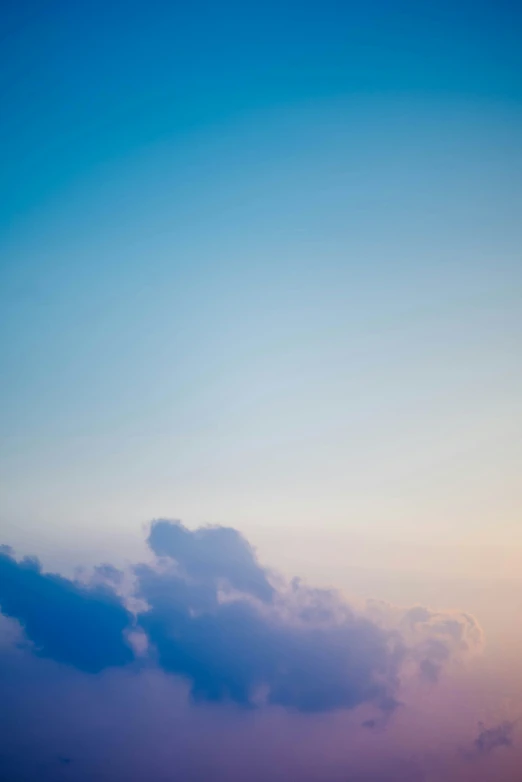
[(260, 265), (260, 269)]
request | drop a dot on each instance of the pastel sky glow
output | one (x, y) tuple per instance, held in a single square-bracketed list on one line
[(260, 268)]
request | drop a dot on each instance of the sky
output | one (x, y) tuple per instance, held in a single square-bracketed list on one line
[(260, 269)]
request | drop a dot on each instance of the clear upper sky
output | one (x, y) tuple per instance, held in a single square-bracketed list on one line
[(260, 265)]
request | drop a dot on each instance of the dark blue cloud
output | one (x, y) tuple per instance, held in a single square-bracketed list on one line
[(212, 553), (304, 649), (209, 616), (64, 620), (208, 612)]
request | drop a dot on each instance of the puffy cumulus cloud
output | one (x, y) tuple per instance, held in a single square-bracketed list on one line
[(65, 620), (291, 682), (206, 610), (211, 553), (215, 618), (304, 651)]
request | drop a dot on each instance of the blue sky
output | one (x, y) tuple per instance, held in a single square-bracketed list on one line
[(261, 266), (88, 83), (260, 334)]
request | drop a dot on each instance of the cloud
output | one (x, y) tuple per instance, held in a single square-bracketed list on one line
[(239, 633), (211, 553), (457, 631), (108, 573), (203, 664), (498, 736), (64, 620), (206, 610), (304, 651), (429, 670)]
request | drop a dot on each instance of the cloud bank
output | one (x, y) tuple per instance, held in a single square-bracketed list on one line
[(204, 637)]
